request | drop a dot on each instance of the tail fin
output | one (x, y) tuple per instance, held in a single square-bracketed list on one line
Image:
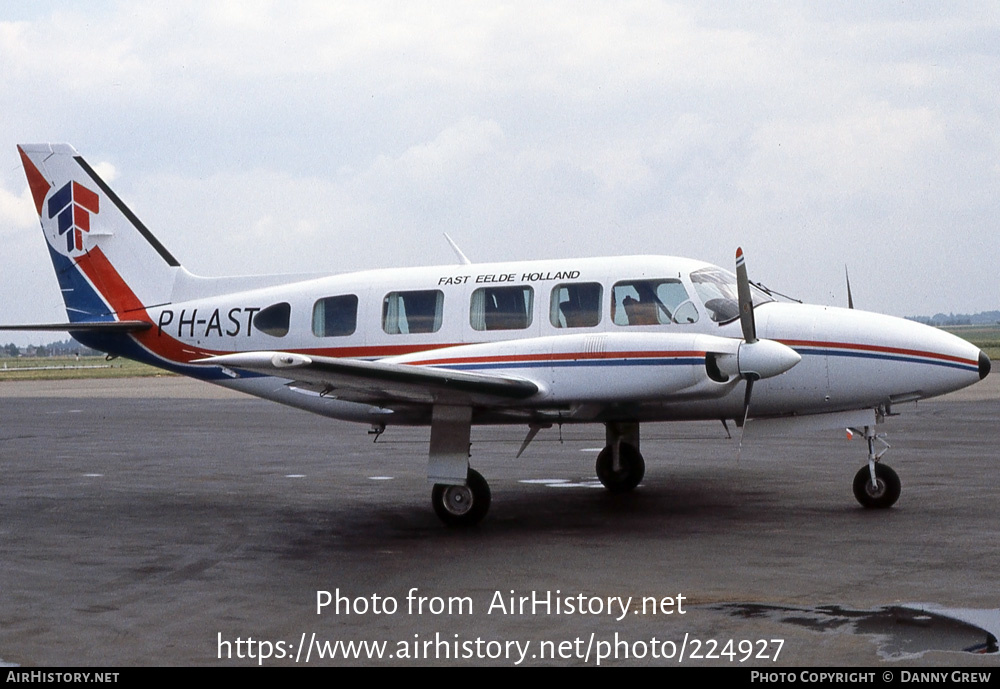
[(109, 266)]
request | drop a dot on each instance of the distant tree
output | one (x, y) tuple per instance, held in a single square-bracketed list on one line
[(41, 350), (74, 347), (12, 350)]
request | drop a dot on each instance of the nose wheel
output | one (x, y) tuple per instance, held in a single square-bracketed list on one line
[(880, 493), (876, 485), (462, 506)]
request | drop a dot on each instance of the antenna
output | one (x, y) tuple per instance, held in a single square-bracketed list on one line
[(850, 299), (462, 258)]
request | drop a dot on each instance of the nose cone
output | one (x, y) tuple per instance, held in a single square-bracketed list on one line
[(853, 355)]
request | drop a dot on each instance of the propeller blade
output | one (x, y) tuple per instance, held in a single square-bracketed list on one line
[(746, 299), (746, 412)]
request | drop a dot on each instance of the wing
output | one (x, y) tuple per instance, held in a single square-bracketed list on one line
[(378, 382)]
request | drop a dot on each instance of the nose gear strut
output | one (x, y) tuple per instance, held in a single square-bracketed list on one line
[(876, 485)]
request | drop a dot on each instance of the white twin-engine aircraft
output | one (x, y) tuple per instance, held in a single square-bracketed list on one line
[(617, 341)]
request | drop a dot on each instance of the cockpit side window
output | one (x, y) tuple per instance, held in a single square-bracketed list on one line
[(718, 292), (651, 302), (412, 312), (576, 305)]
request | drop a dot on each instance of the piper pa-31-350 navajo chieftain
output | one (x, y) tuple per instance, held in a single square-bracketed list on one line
[(617, 341)]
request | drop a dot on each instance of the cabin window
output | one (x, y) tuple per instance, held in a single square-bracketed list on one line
[(651, 302), (576, 305), (335, 316), (274, 319), (501, 308), (412, 312)]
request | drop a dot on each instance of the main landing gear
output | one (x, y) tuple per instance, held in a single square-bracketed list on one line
[(462, 505), (461, 496), (876, 485), (620, 466)]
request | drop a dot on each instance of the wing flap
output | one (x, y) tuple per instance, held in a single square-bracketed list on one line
[(380, 382)]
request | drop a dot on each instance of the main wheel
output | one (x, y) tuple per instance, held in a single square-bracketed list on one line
[(628, 476), (880, 496), (462, 505)]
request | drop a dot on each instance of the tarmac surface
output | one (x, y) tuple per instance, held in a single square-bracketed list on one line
[(168, 522)]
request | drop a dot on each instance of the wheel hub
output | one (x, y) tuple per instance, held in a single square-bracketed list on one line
[(876, 491), (458, 499)]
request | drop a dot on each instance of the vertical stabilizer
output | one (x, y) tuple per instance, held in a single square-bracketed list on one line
[(109, 265)]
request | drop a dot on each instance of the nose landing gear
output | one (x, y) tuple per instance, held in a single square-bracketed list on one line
[(876, 485)]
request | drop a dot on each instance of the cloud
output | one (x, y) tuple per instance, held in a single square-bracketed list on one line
[(254, 132), (17, 211), (432, 167)]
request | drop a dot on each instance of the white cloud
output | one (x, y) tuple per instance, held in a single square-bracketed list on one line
[(315, 135), (433, 166), (17, 211), (106, 171)]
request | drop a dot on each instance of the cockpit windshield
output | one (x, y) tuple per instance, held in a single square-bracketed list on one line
[(717, 289)]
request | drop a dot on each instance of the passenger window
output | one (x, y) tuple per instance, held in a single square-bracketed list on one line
[(335, 316), (501, 308), (412, 312), (576, 305), (651, 302), (274, 319)]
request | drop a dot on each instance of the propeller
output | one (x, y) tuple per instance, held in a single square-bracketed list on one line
[(749, 325), (756, 358), (753, 358)]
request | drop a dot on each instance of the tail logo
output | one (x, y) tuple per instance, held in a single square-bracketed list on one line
[(72, 206)]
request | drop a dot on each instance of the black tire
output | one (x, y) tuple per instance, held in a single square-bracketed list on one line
[(884, 495), (462, 506), (629, 476)]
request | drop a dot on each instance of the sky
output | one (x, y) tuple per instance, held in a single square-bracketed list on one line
[(269, 137)]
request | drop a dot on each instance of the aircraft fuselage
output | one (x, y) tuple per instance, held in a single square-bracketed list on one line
[(602, 359)]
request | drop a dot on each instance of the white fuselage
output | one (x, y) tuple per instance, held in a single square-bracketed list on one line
[(583, 330)]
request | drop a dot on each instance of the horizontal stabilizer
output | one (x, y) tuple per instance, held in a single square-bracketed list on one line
[(95, 327), (379, 381)]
